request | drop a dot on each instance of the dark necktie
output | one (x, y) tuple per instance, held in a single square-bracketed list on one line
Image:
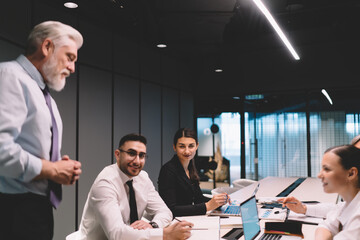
[(340, 227), (55, 190), (132, 202)]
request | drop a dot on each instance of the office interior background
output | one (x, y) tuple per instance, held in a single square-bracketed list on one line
[(267, 105)]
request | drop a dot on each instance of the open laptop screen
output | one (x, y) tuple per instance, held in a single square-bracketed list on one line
[(250, 218)]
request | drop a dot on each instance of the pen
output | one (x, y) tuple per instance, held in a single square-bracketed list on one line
[(191, 227), (287, 214), (228, 199), (177, 219), (286, 202)]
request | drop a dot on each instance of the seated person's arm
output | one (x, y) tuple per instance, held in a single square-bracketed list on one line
[(178, 230), (107, 206), (293, 204), (323, 234), (217, 201), (167, 189), (157, 209), (314, 210)]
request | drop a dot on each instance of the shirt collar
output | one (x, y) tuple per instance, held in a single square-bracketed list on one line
[(348, 209), (124, 178), (31, 70)]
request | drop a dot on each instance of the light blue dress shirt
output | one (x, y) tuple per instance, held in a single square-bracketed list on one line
[(25, 127)]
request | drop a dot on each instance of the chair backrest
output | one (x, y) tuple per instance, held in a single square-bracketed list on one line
[(242, 182), (228, 190), (73, 236)]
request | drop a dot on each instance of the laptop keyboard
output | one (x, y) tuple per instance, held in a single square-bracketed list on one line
[(232, 209), (270, 237)]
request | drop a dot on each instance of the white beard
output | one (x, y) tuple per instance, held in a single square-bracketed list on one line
[(54, 79)]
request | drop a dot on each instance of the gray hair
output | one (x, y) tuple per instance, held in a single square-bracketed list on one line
[(355, 140), (57, 32)]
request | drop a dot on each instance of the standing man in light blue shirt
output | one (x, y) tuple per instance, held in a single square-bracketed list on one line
[(31, 167)]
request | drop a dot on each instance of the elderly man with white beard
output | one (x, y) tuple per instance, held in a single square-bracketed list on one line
[(31, 167)]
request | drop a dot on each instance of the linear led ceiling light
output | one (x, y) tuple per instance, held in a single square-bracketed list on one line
[(327, 96), (278, 30)]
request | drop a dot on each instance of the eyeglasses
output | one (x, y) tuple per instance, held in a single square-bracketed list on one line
[(133, 153)]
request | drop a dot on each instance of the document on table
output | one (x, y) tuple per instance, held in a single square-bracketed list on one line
[(231, 222), (205, 228), (272, 214), (303, 218)]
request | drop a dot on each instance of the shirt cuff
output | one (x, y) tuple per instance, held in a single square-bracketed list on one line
[(156, 234), (311, 210), (33, 168)]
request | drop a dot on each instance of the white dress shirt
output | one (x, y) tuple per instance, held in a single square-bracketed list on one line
[(319, 210), (107, 212), (25, 127), (348, 214)]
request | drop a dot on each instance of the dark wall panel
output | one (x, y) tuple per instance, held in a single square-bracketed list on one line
[(170, 71), (15, 20), (9, 51), (64, 216), (97, 47), (126, 107), (150, 61), (95, 150), (186, 110), (170, 116), (151, 127), (126, 56)]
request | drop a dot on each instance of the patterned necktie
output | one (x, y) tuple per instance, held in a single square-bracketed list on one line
[(132, 202), (55, 191)]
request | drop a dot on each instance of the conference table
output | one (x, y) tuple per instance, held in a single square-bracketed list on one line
[(305, 189)]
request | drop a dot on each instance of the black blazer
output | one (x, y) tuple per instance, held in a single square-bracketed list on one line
[(181, 195)]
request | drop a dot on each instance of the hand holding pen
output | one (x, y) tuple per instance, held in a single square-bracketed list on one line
[(293, 204), (228, 199), (178, 230), (191, 226), (217, 201)]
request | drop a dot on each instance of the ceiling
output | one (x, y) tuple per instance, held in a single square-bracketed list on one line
[(235, 36)]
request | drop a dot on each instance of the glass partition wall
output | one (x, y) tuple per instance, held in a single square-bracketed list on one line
[(284, 134)]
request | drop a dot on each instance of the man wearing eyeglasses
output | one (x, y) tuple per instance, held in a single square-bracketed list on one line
[(120, 196)]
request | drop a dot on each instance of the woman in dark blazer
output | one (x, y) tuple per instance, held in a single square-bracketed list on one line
[(179, 182)]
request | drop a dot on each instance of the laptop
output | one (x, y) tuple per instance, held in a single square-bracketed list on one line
[(230, 210), (251, 223)]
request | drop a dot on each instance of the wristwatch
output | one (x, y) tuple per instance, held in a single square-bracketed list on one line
[(154, 224)]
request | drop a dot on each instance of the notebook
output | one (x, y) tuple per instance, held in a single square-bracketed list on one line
[(251, 223), (230, 210)]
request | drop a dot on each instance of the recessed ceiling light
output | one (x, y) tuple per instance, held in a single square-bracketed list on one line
[(70, 5), (161, 45), (218, 70)]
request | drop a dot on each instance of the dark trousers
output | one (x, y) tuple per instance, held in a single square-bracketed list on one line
[(25, 216)]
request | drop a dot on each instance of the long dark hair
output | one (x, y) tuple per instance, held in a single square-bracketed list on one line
[(188, 133), (349, 157)]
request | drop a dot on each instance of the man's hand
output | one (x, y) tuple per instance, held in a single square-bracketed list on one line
[(64, 171), (140, 224), (179, 231)]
